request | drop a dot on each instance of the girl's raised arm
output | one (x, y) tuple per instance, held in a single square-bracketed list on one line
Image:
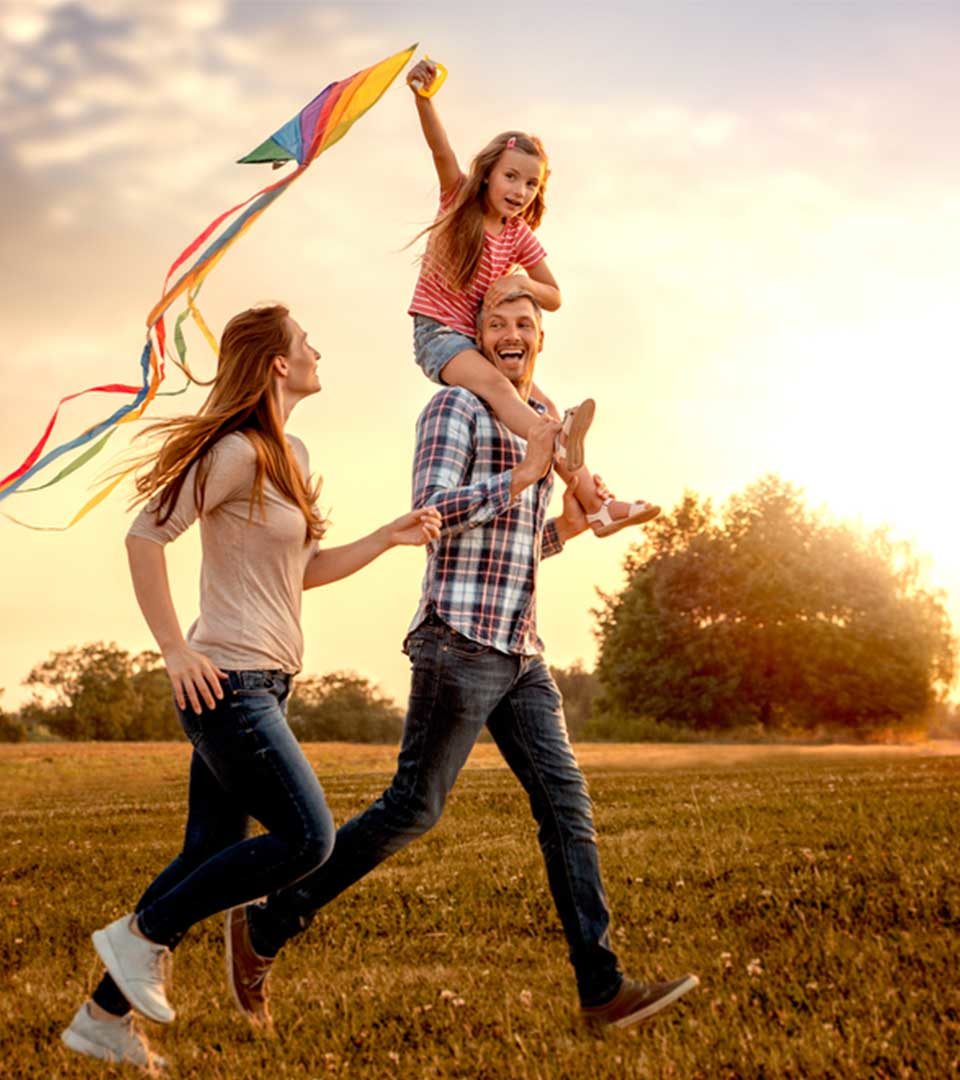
[(444, 159)]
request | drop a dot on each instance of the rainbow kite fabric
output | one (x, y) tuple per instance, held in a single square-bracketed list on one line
[(314, 129)]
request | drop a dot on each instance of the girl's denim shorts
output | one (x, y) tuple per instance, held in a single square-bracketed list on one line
[(435, 345)]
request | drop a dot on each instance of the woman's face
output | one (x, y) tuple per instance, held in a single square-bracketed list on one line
[(302, 377)]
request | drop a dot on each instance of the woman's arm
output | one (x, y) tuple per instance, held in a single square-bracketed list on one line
[(331, 564), (444, 159), (193, 676)]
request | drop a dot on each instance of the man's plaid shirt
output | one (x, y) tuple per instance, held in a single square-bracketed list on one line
[(482, 573)]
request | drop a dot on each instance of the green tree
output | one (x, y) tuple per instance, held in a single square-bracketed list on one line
[(11, 728), (344, 707), (579, 687), (767, 616), (154, 715), (98, 691)]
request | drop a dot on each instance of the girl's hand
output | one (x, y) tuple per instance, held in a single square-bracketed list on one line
[(417, 528), (503, 287), (194, 678), (422, 74)]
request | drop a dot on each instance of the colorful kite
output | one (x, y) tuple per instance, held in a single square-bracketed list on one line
[(314, 129)]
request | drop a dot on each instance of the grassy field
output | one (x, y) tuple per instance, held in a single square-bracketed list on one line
[(815, 891)]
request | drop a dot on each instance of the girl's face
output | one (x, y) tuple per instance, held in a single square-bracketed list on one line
[(513, 183)]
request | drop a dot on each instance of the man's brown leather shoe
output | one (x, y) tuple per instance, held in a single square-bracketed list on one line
[(636, 1001), (246, 971)]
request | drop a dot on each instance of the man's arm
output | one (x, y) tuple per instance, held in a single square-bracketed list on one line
[(446, 443), (551, 542), (572, 522)]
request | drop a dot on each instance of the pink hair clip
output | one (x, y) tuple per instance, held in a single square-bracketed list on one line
[(511, 142)]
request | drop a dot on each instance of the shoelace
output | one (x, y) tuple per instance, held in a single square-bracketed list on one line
[(134, 1032), (161, 963)]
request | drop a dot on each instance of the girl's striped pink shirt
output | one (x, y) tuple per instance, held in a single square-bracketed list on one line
[(515, 246)]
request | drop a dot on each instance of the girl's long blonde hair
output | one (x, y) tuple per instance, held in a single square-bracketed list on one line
[(242, 399), (456, 237)]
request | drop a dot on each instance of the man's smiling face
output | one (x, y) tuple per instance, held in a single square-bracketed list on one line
[(511, 338)]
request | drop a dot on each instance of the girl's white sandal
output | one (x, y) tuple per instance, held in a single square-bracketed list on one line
[(576, 424), (603, 524)]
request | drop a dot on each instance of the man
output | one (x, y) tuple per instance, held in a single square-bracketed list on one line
[(476, 661)]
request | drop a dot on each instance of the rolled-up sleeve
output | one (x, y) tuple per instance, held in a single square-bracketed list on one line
[(550, 542)]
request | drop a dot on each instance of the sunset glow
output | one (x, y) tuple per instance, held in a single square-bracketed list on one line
[(757, 249)]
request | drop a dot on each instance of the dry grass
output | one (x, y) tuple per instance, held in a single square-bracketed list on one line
[(814, 890)]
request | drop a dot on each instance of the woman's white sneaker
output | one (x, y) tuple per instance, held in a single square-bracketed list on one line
[(138, 967), (117, 1041)]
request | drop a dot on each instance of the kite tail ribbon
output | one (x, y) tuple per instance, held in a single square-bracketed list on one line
[(320, 124)]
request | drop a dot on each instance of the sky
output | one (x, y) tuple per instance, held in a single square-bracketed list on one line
[(753, 215)]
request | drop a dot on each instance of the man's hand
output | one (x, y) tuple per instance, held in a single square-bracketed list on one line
[(573, 521), (600, 486), (415, 529), (538, 460)]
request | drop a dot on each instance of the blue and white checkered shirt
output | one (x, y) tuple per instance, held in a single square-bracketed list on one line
[(482, 573)]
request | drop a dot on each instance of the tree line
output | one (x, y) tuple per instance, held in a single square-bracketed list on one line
[(760, 618), (101, 692)]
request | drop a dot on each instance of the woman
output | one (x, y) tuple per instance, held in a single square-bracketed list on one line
[(233, 467)]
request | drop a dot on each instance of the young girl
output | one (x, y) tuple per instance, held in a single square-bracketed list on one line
[(233, 467), (484, 228)]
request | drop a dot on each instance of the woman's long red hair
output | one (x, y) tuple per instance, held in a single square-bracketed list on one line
[(243, 399)]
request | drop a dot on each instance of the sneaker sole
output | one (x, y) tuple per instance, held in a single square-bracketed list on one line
[(579, 426), (91, 1049), (688, 984), (77, 1042), (104, 947)]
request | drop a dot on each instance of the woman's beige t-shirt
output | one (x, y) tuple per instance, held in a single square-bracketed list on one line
[(251, 578)]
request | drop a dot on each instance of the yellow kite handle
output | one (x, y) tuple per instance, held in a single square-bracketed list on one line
[(438, 80)]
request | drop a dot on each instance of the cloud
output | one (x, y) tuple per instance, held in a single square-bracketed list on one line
[(79, 145), (117, 111)]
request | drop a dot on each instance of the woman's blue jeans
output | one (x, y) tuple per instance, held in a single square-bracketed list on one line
[(457, 687), (246, 764)]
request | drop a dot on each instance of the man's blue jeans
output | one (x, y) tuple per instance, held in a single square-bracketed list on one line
[(458, 686), (246, 764)]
